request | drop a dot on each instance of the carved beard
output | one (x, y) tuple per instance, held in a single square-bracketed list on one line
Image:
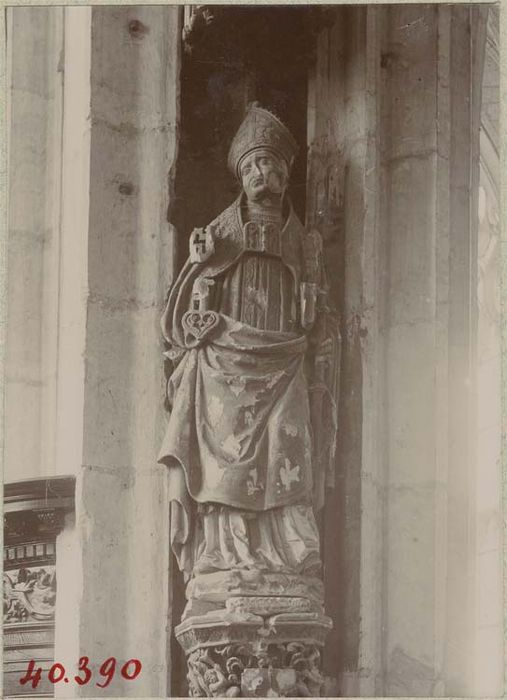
[(267, 199), (265, 196)]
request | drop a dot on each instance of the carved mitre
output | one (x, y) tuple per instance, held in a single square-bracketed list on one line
[(261, 129)]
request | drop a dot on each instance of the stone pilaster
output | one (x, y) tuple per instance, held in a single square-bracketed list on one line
[(393, 168), (257, 644), (122, 507), (93, 132)]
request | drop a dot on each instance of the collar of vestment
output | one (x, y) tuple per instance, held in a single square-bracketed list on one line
[(228, 230)]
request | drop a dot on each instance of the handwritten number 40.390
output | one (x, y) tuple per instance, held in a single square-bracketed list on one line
[(130, 670)]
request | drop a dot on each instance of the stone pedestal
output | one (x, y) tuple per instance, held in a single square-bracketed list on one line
[(250, 633), (255, 646)]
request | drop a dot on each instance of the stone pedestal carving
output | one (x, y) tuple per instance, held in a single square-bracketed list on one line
[(254, 634), (251, 436), (237, 652)]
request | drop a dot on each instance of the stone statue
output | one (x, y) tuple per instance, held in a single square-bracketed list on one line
[(251, 434)]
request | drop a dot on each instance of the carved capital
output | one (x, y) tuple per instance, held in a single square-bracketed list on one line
[(246, 650), (265, 669)]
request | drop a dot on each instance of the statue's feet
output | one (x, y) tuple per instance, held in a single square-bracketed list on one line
[(206, 564), (219, 586), (312, 565)]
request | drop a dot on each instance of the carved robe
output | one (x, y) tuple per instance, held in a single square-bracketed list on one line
[(239, 436)]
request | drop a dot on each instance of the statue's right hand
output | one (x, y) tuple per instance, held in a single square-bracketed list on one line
[(202, 244)]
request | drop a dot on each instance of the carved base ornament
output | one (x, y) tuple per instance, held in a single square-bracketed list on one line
[(251, 437), (289, 669)]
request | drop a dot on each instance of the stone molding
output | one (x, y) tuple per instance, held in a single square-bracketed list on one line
[(34, 511)]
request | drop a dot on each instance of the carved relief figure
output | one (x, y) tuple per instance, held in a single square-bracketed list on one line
[(251, 434), (29, 594)]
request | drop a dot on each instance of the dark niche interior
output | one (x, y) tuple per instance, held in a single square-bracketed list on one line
[(234, 56)]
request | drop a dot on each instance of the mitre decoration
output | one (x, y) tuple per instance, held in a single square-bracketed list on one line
[(261, 129)]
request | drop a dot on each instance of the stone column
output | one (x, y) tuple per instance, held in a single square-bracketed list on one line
[(394, 155), (93, 134), (121, 505), (489, 657), (35, 117)]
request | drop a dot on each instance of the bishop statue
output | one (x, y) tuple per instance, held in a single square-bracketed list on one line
[(251, 435)]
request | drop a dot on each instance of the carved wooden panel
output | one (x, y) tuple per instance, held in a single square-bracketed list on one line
[(33, 516)]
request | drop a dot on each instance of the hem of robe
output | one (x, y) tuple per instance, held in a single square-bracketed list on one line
[(186, 548), (175, 466)]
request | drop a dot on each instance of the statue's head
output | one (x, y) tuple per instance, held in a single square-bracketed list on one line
[(262, 153), (263, 172)]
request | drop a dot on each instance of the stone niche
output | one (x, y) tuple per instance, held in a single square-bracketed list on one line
[(34, 515), (249, 635)]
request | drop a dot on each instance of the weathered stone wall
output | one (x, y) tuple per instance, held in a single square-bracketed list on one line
[(393, 134), (122, 512), (393, 181), (33, 248), (94, 120)]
